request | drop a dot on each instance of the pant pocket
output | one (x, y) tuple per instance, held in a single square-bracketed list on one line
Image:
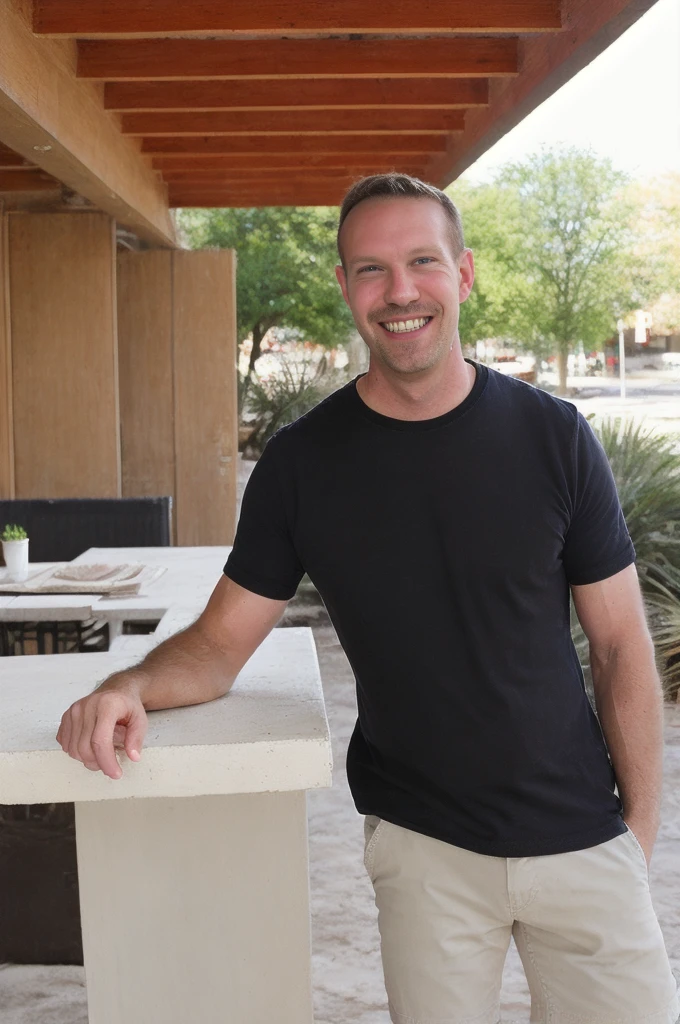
[(373, 826), (635, 842)]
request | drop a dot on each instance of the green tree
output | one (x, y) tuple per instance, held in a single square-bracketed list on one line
[(555, 241), (285, 275), (658, 248), (574, 246), (490, 310)]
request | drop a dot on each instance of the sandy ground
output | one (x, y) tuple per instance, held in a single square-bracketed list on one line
[(348, 983)]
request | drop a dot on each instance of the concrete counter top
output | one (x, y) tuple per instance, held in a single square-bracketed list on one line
[(268, 734)]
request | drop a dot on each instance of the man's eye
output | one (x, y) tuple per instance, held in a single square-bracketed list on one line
[(428, 259), (370, 267)]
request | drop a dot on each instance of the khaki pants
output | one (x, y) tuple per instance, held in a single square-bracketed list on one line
[(583, 923)]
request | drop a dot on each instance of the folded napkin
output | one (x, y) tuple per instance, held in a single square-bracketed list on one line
[(119, 580)]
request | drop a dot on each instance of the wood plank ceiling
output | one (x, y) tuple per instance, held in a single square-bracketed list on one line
[(266, 102), (286, 102)]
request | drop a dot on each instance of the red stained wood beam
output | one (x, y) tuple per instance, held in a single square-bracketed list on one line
[(200, 176), (292, 122), (283, 181), (259, 198), (344, 144), (13, 162), (27, 181), (176, 59), (129, 18), (323, 94), (370, 162)]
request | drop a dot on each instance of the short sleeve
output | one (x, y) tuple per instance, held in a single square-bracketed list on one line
[(597, 544), (263, 558)]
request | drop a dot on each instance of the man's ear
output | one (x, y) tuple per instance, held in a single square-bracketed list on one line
[(342, 281), (466, 269)]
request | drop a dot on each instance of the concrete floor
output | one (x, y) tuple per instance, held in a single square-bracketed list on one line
[(348, 983)]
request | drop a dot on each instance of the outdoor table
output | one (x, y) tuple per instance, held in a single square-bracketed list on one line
[(190, 578), (193, 868)]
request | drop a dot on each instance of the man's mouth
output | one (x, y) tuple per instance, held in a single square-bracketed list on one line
[(405, 326)]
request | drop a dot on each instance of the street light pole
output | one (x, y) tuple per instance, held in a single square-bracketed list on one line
[(622, 358)]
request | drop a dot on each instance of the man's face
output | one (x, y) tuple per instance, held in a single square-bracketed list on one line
[(402, 281)]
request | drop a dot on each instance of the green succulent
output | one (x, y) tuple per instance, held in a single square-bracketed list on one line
[(14, 532)]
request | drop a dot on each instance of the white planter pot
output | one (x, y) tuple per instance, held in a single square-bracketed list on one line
[(15, 553)]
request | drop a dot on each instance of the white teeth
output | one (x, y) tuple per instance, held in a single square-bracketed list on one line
[(406, 325)]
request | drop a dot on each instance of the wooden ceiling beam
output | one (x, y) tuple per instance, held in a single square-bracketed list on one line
[(10, 161), (292, 122), (202, 175), (343, 144), (27, 181), (230, 199), (282, 180), (59, 123), (126, 19), (373, 162), (323, 94), (547, 62), (176, 59)]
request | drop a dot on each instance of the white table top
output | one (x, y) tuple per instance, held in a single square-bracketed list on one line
[(269, 733), (191, 576)]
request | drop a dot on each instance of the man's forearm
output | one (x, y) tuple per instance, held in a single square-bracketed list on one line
[(187, 668), (630, 707)]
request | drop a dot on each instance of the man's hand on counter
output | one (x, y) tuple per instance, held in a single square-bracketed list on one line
[(198, 664), (95, 726)]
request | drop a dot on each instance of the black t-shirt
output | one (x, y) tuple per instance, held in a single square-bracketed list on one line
[(443, 550)]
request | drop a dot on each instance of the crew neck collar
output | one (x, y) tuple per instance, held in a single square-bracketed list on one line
[(393, 423)]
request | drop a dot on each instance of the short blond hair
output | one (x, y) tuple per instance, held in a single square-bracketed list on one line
[(401, 186)]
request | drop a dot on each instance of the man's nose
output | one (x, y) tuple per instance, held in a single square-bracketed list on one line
[(401, 288)]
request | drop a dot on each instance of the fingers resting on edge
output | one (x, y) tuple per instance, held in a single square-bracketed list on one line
[(86, 732)]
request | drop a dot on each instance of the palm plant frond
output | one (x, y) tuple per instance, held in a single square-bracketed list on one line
[(646, 468)]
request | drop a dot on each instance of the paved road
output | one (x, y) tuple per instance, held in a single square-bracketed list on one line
[(653, 399)]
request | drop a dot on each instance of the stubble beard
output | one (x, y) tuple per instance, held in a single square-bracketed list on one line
[(408, 358)]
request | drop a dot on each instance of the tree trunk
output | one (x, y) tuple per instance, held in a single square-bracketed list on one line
[(562, 357), (357, 355), (258, 335)]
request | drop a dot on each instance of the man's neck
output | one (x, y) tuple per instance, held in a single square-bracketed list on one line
[(417, 399)]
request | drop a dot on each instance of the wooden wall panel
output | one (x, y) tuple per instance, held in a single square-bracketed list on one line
[(6, 421), (64, 355), (206, 434), (145, 373)]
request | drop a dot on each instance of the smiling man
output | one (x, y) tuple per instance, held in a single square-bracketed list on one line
[(446, 513)]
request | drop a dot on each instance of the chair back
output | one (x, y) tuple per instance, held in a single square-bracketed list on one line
[(60, 529)]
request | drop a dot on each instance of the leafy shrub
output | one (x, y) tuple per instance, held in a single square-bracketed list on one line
[(646, 467), (277, 399)]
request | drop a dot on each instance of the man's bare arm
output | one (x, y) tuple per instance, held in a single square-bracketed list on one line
[(196, 665), (628, 694)]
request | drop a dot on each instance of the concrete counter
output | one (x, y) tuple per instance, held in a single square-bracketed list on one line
[(192, 868)]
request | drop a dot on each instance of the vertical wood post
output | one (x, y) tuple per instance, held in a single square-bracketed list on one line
[(64, 355), (6, 413), (177, 343)]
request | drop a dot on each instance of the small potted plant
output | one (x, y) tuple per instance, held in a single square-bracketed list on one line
[(15, 551)]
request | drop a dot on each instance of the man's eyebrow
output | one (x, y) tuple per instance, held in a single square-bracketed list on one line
[(363, 259), (414, 252), (426, 248)]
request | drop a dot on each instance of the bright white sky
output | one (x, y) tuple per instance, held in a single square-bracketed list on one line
[(625, 105)]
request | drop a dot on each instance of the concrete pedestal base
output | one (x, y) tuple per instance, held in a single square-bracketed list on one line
[(196, 910)]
